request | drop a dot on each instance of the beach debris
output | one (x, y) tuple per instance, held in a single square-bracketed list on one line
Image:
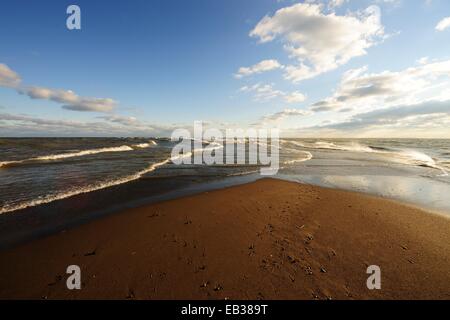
[(308, 270), (404, 247), (153, 215), (130, 294), (201, 268), (57, 279), (252, 247), (301, 227), (92, 253), (204, 284), (323, 270), (331, 254), (218, 287), (308, 239), (292, 259)]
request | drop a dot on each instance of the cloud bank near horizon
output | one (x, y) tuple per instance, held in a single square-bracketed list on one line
[(69, 100)]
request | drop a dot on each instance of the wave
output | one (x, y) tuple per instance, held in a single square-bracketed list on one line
[(60, 156), (421, 159), (86, 189), (93, 187), (308, 156), (245, 173), (332, 146), (410, 157), (145, 145)]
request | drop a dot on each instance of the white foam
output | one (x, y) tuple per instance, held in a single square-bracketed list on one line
[(421, 159), (307, 156), (86, 189), (60, 156), (410, 157), (142, 145)]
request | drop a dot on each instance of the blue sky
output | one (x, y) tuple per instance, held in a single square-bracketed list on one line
[(146, 67)]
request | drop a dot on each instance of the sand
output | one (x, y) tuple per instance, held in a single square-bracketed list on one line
[(270, 239)]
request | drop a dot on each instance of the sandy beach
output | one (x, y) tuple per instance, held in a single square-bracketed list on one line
[(270, 239)]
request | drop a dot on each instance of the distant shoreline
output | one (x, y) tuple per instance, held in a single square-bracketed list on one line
[(269, 239)]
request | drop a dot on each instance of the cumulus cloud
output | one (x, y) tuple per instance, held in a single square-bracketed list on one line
[(336, 3), (429, 114), (281, 115), (427, 119), (294, 97), (68, 99), (265, 92), (8, 78), (320, 42), (26, 125), (262, 92), (443, 24), (360, 89), (128, 121), (263, 66)]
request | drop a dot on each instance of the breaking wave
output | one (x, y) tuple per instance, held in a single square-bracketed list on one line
[(86, 189), (409, 157), (92, 187), (60, 156), (307, 156), (145, 145)]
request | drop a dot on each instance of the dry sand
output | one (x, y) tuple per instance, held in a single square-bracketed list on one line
[(270, 239)]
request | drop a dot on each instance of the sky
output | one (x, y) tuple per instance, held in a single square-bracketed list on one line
[(313, 68)]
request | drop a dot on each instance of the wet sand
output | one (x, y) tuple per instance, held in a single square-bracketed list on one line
[(270, 239)]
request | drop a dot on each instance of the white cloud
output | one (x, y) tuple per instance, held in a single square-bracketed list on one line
[(360, 89), (265, 92), (263, 66), (429, 115), (427, 119), (116, 125), (278, 116), (336, 3), (423, 60), (443, 24), (128, 121), (70, 100), (295, 97), (262, 92), (320, 42), (8, 78)]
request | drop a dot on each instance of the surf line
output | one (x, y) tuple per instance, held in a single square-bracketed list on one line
[(258, 143)]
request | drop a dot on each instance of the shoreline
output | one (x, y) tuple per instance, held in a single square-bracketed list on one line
[(269, 239), (19, 227)]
